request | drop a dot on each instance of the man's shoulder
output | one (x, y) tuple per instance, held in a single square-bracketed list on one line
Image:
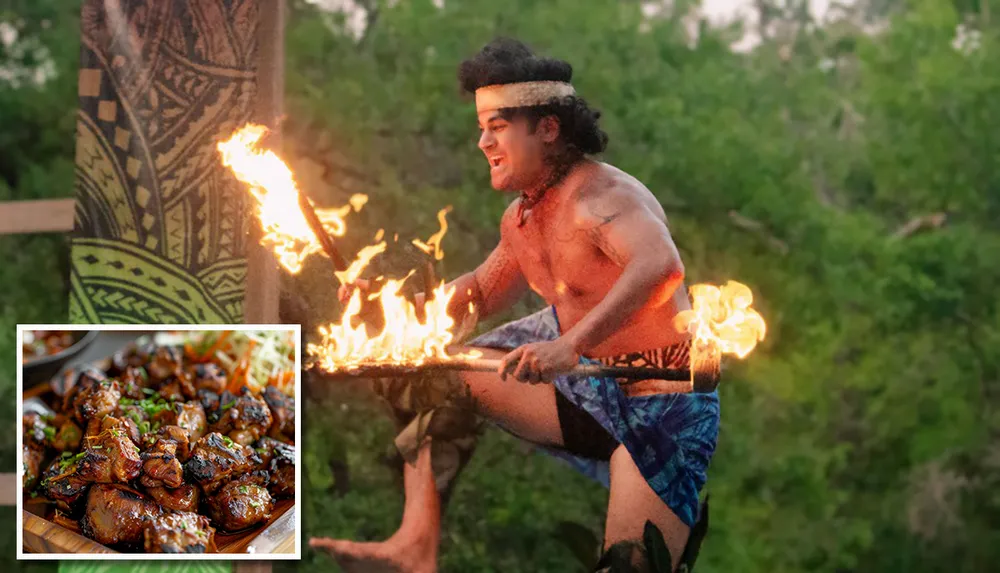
[(607, 185), (611, 191)]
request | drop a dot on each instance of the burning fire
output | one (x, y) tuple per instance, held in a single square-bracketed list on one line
[(723, 317), (409, 336), (272, 184), (406, 338), (433, 244)]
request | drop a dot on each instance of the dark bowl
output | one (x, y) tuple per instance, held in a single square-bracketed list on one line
[(41, 370)]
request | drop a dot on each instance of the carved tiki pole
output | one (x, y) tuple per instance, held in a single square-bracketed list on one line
[(163, 232)]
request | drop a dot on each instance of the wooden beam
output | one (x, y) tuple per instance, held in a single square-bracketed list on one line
[(8, 489), (263, 287), (37, 216)]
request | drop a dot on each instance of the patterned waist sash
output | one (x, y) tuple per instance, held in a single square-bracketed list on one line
[(674, 356)]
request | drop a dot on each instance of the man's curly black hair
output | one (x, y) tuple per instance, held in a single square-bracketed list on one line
[(505, 61)]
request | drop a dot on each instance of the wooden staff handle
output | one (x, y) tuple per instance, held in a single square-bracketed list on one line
[(701, 382), (322, 236)]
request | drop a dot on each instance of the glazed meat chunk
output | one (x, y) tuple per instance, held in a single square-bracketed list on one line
[(31, 461), (63, 485), (283, 412), (241, 503), (209, 377), (110, 457), (244, 418), (215, 459), (73, 382), (183, 498), (189, 416), (179, 532), (33, 428), (123, 425), (160, 466), (96, 401), (173, 434), (278, 459), (115, 514), (163, 363)]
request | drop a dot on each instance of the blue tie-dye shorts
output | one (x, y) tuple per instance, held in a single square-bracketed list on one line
[(671, 437)]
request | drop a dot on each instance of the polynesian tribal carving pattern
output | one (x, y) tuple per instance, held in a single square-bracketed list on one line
[(161, 226)]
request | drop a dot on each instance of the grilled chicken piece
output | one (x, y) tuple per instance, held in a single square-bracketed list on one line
[(190, 416), (179, 532), (132, 382), (208, 376), (164, 366), (115, 514), (62, 484), (241, 503), (178, 389), (126, 425), (210, 402), (216, 458), (96, 401), (278, 459), (163, 363), (174, 434), (244, 419), (72, 382), (184, 498), (110, 457), (31, 462), (160, 466), (282, 408)]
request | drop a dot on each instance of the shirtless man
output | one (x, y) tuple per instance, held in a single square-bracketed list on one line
[(593, 242)]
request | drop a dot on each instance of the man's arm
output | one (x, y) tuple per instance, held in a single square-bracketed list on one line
[(636, 239), (493, 287)]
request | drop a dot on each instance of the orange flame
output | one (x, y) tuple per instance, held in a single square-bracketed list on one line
[(723, 317), (433, 244), (272, 184), (359, 264), (408, 337)]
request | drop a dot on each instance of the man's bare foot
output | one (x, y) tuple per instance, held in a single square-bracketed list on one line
[(401, 553)]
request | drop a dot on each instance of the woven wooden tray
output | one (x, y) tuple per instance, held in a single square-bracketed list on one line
[(272, 539)]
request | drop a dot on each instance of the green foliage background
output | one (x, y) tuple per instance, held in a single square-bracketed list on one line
[(862, 434)]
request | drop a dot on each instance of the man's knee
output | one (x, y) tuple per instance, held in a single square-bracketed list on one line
[(627, 555), (632, 504)]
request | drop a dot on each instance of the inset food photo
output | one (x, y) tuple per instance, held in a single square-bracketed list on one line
[(158, 444)]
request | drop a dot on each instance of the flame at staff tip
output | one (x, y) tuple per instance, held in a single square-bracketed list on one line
[(723, 317), (405, 339), (433, 244), (272, 184), (358, 265)]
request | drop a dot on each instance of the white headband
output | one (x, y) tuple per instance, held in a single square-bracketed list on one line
[(522, 94)]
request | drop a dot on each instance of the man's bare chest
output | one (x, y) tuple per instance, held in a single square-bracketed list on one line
[(559, 261)]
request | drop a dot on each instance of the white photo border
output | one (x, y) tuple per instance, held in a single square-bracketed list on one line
[(296, 508)]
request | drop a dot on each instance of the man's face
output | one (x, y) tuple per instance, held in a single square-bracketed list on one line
[(516, 156)]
